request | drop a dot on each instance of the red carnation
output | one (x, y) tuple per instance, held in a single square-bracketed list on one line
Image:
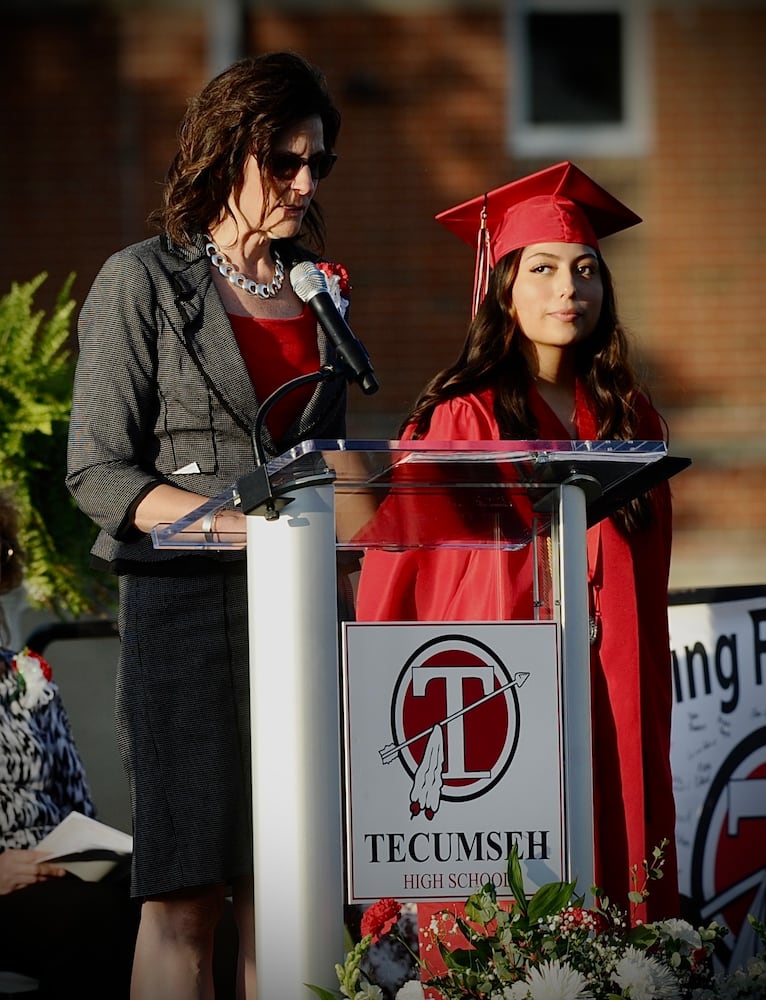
[(699, 958), (380, 918), (331, 268), (44, 665)]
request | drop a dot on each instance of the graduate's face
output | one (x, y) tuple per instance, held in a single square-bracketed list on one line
[(557, 293)]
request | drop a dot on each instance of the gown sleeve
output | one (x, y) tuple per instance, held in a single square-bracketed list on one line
[(468, 418)]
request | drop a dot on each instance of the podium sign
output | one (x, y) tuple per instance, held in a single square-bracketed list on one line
[(447, 765)]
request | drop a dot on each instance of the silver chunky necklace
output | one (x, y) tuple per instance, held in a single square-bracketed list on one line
[(220, 261)]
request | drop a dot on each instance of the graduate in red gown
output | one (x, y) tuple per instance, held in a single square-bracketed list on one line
[(546, 358)]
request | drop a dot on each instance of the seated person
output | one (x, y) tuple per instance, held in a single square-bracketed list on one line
[(75, 937)]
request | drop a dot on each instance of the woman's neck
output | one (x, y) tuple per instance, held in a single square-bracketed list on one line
[(556, 382), (248, 251), (553, 364)]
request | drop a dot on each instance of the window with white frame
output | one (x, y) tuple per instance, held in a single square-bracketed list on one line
[(579, 77)]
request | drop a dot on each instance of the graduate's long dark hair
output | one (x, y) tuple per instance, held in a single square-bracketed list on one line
[(496, 353)]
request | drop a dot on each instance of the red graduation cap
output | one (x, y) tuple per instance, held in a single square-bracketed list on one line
[(559, 204)]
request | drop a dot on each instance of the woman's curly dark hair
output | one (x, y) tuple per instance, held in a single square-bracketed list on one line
[(240, 112)]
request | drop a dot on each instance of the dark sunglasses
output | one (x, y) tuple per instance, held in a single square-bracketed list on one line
[(284, 166)]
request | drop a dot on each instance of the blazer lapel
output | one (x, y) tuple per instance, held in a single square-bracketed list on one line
[(205, 331)]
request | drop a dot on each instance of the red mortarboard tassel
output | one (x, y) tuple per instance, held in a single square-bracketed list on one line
[(481, 273)]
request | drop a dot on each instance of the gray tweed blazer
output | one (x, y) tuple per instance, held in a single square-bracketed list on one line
[(162, 395)]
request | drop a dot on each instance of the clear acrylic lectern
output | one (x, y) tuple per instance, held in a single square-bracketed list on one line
[(312, 514)]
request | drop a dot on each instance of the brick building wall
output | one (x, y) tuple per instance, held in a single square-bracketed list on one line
[(92, 97), (707, 250)]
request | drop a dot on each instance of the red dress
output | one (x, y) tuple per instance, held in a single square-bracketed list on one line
[(276, 351), (630, 660)]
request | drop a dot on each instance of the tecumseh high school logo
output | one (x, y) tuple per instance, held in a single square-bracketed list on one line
[(729, 857), (455, 721)]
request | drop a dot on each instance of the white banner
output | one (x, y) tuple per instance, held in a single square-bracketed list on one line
[(718, 755)]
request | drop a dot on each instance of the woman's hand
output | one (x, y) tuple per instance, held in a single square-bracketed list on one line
[(19, 869), (166, 504)]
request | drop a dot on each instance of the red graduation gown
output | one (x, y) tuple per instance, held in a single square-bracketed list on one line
[(630, 662)]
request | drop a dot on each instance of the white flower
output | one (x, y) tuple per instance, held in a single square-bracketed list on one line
[(680, 930), (519, 991), (645, 977), (333, 287), (744, 984), (369, 992), (412, 990), (554, 981)]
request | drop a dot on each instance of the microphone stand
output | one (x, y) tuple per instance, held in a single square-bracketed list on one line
[(255, 489)]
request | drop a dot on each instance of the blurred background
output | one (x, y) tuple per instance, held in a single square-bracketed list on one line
[(661, 102)]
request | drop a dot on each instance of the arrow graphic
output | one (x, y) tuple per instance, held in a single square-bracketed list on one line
[(389, 752)]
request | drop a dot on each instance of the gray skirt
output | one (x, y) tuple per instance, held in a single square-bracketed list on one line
[(183, 727)]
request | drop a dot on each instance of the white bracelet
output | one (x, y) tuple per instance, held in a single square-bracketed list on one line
[(207, 526)]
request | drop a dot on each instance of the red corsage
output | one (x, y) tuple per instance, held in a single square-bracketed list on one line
[(380, 918), (333, 270), (32, 673)]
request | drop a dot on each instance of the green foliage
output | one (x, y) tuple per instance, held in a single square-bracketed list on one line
[(349, 974), (36, 370), (499, 936), (323, 993)]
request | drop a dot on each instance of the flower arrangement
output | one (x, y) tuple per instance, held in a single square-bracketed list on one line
[(552, 947)]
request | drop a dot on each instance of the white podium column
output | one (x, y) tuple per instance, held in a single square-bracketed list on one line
[(570, 542), (294, 680)]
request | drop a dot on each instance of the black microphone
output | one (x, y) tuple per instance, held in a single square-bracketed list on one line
[(310, 286)]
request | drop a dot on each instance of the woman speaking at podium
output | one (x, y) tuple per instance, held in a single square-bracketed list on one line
[(182, 336), (546, 358)]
